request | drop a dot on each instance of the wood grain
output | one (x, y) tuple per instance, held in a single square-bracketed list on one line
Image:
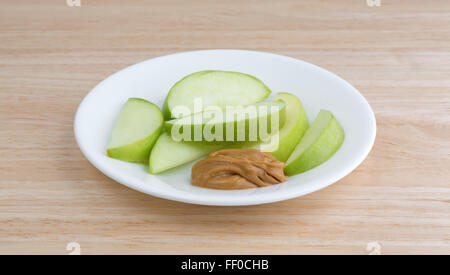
[(397, 55)]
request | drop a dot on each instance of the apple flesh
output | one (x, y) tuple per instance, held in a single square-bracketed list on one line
[(168, 154), (320, 141), (252, 122), (136, 130)]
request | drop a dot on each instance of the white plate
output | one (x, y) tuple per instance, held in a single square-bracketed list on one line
[(152, 79)]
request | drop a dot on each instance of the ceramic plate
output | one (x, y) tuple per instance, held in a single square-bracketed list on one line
[(152, 79)]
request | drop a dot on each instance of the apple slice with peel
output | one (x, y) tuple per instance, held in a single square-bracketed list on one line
[(292, 130), (167, 153), (136, 130), (213, 88), (252, 122), (322, 139)]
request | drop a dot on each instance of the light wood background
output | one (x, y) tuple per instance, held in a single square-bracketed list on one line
[(397, 55)]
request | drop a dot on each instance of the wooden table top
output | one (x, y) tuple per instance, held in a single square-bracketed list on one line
[(396, 54)]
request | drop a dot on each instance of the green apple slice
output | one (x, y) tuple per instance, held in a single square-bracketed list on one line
[(292, 130), (322, 139), (167, 153), (136, 130), (214, 88), (253, 122)]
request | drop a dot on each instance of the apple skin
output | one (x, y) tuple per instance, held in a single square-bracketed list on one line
[(167, 110), (293, 129), (320, 150), (289, 135), (139, 150)]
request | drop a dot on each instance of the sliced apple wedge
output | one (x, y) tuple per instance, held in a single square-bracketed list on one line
[(136, 130), (167, 153), (252, 122), (214, 88), (292, 131), (321, 140)]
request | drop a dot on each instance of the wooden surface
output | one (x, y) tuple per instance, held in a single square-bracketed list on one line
[(397, 55)]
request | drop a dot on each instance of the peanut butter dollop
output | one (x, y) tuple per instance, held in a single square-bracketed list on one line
[(237, 169)]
